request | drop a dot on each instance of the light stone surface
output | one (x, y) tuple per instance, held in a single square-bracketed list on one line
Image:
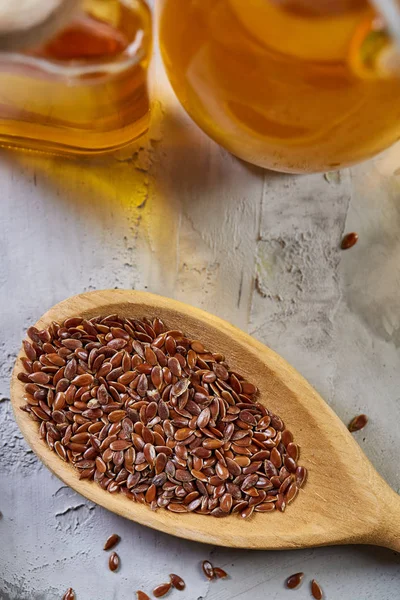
[(177, 215)]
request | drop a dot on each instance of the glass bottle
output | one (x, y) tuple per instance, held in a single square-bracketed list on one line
[(83, 91), (291, 85)]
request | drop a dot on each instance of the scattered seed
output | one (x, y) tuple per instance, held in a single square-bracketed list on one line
[(142, 596), (316, 590), (208, 569), (112, 541), (113, 561), (177, 582), (220, 573), (349, 240), (69, 594), (162, 589), (147, 412), (294, 581), (358, 423)]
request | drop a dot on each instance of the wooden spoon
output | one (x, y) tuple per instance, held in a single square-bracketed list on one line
[(344, 501)]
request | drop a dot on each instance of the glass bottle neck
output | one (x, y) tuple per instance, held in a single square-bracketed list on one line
[(30, 22)]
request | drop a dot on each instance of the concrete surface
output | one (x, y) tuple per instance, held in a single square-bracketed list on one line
[(177, 215)]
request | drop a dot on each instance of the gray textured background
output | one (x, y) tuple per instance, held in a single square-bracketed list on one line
[(259, 249)]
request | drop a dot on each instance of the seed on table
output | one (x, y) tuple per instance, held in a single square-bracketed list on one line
[(208, 569), (112, 541), (349, 240), (162, 589), (358, 423), (316, 590), (220, 573), (177, 582), (69, 594), (141, 595), (294, 580), (113, 561)]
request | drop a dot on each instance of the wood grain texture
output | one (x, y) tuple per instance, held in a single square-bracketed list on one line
[(344, 500)]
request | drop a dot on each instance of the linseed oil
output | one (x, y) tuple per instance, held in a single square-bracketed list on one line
[(85, 91), (284, 84)]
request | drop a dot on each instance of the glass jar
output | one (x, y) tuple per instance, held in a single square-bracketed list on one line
[(291, 85), (85, 90)]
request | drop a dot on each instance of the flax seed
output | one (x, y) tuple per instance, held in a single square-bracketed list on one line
[(112, 541), (145, 411), (113, 561)]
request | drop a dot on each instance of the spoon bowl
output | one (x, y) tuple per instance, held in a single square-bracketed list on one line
[(344, 499)]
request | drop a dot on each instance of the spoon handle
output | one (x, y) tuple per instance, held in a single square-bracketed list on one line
[(388, 534), (393, 541)]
